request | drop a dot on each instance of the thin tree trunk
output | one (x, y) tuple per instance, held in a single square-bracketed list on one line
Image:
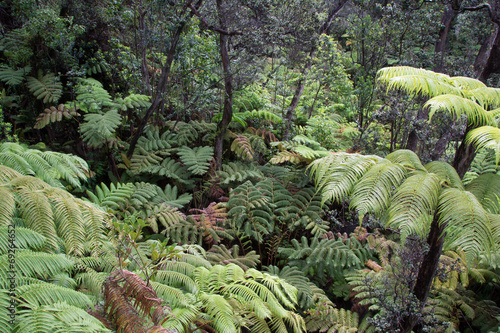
[(413, 138), (162, 84), (448, 16), (302, 82), (442, 144), (227, 113), (426, 272)]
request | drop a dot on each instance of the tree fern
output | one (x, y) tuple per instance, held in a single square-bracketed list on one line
[(52, 167), (455, 105), (486, 137), (92, 97), (133, 101), (98, 128), (446, 173), (113, 197), (197, 160), (224, 256), (46, 87), (52, 212)]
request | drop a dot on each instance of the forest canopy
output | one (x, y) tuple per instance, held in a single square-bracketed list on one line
[(249, 166)]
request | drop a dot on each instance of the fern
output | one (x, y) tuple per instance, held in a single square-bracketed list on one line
[(52, 115), (57, 317), (485, 188), (98, 128), (184, 133), (51, 167), (113, 197), (24, 239), (46, 87), (242, 147), (197, 160), (13, 77), (92, 97), (133, 101), (222, 256), (238, 172)]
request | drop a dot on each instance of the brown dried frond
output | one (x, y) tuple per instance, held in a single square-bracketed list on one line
[(373, 265), (159, 329), (263, 133), (209, 217), (102, 319), (121, 312)]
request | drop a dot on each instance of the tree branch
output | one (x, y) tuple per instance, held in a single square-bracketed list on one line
[(491, 13), (212, 27)]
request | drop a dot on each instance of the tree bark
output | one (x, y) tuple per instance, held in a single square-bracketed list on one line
[(448, 16), (464, 156), (302, 82), (227, 113), (426, 272), (493, 63), (413, 138)]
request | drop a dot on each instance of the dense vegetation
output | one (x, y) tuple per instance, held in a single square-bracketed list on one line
[(249, 166)]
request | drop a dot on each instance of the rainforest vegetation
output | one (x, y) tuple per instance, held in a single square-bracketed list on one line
[(223, 166)]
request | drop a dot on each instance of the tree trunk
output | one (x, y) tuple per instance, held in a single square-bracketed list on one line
[(483, 54), (493, 63), (448, 16), (463, 157), (426, 272), (227, 113), (162, 84), (413, 138), (441, 144), (302, 82)]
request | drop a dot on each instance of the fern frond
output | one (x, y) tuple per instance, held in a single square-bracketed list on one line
[(114, 196), (486, 188), (239, 172), (222, 256), (485, 137), (133, 101), (455, 105), (13, 77), (242, 147), (98, 128), (47, 87), (413, 205), (24, 239), (446, 173), (53, 114), (197, 160), (43, 293)]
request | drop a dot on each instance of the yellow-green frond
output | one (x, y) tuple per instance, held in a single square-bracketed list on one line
[(486, 188), (487, 97), (485, 137), (413, 205), (371, 194), (467, 223), (447, 174), (456, 106), (467, 83), (406, 158)]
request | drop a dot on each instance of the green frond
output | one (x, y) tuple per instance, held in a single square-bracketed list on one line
[(185, 133), (239, 172), (335, 175), (46, 87), (92, 97), (33, 264), (372, 192), (13, 77), (387, 73), (97, 128), (177, 280), (219, 308), (22, 237), (467, 223), (222, 256), (242, 147), (197, 160), (133, 101), (456, 105), (413, 205), (114, 196), (172, 295), (406, 158), (7, 205), (486, 188), (446, 173), (485, 137), (426, 86), (487, 97), (57, 317), (70, 224), (467, 83), (261, 114), (44, 293)]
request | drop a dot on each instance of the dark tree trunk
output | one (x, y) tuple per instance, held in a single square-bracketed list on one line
[(301, 84), (448, 16), (227, 113), (463, 157), (426, 271), (492, 65), (483, 54), (413, 138), (441, 144)]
